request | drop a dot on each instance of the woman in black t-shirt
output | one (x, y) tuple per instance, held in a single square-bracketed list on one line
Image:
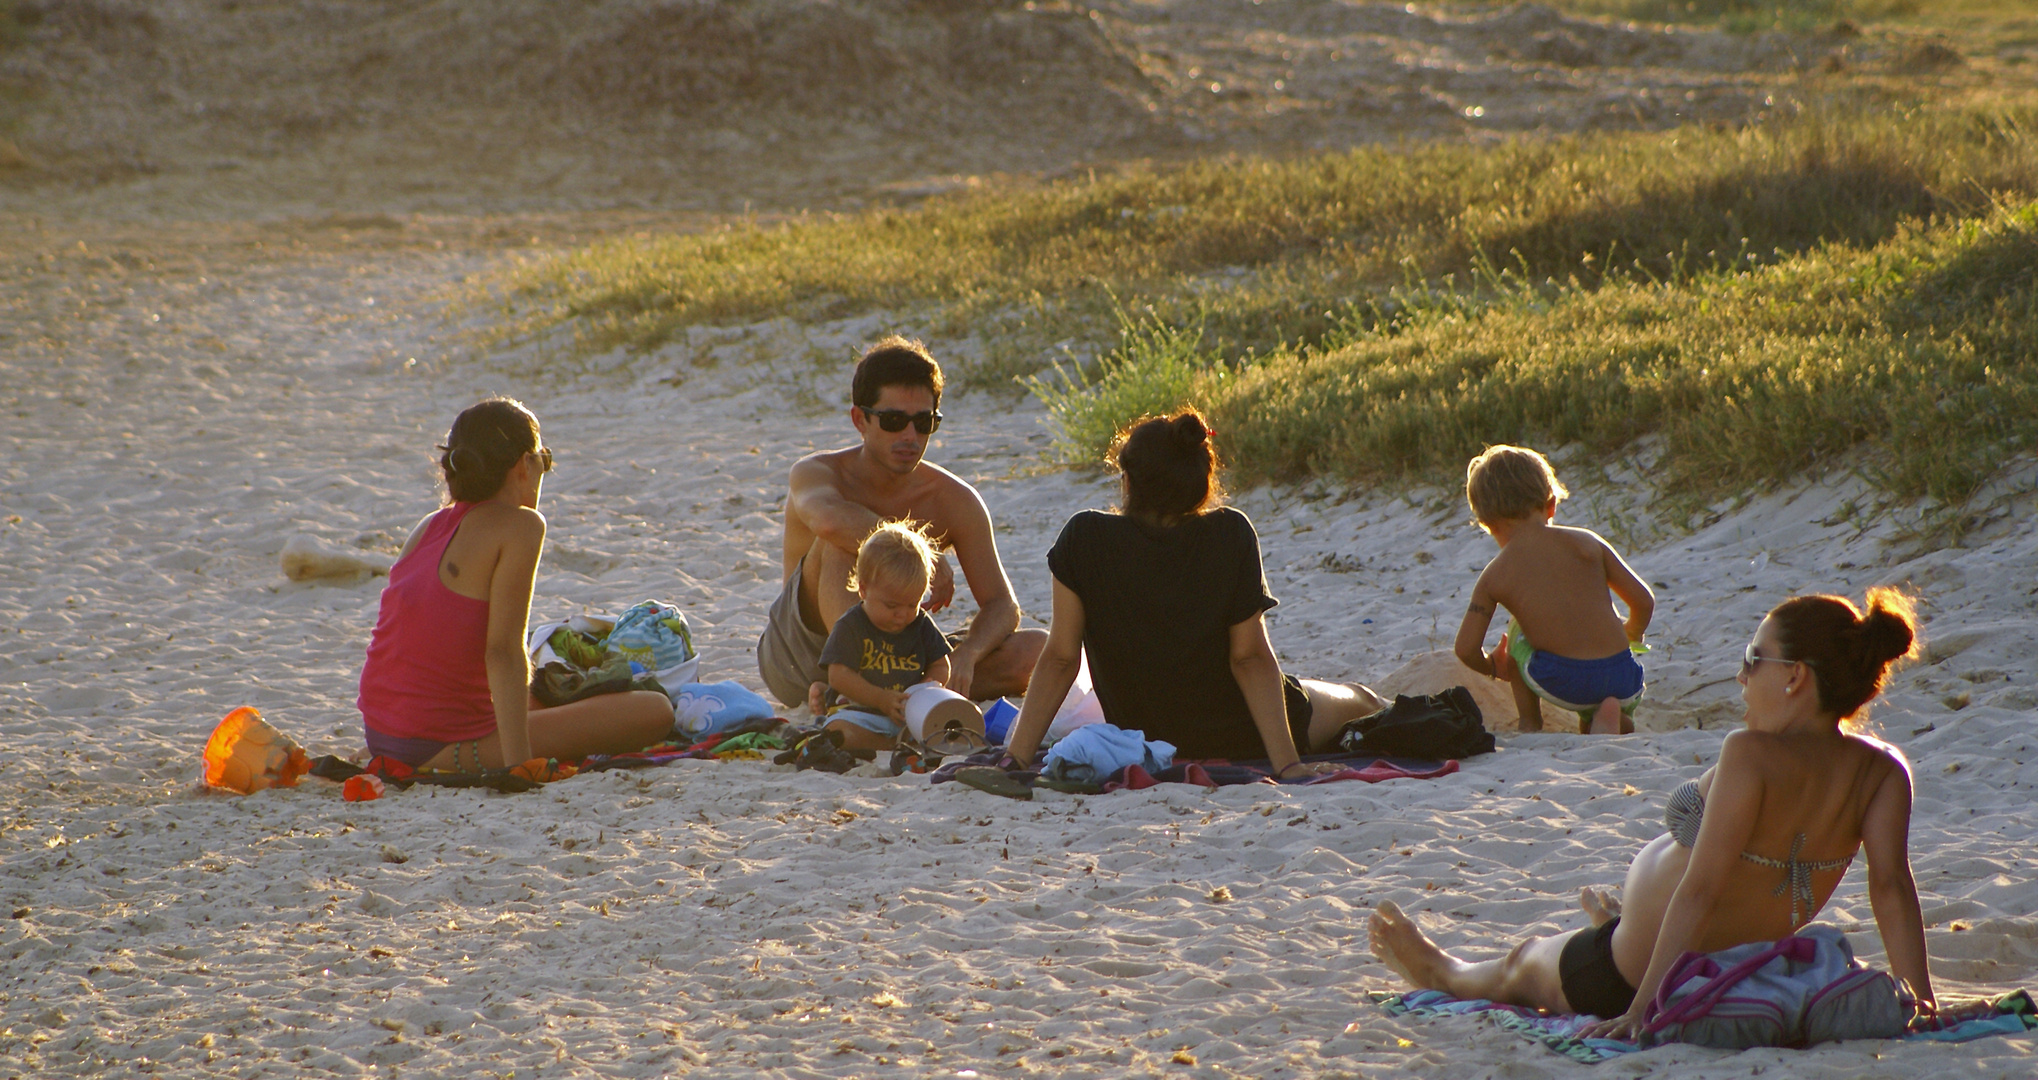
[(1167, 598)]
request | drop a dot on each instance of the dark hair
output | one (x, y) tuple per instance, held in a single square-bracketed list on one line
[(487, 441), (1849, 653), (894, 361), (1170, 466)]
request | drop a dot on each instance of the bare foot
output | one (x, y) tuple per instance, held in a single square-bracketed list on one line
[(817, 699), (1530, 721), (1401, 945), (1608, 719), (1602, 906)]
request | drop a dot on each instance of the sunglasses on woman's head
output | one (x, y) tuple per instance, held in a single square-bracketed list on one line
[(544, 455), (926, 423), (1749, 658)]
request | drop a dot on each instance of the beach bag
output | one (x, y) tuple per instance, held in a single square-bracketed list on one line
[(655, 637), (1800, 991), (1434, 726), (576, 642), (560, 683)]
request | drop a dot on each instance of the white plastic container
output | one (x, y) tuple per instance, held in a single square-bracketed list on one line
[(932, 707)]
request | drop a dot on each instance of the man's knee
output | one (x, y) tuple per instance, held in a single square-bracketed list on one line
[(1017, 654), (824, 585)]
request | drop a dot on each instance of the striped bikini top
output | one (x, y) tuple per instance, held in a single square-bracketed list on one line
[(1686, 811)]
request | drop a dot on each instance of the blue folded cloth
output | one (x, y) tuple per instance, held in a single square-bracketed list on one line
[(1092, 753), (704, 709)]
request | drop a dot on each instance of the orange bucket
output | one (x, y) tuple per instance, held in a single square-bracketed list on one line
[(245, 754)]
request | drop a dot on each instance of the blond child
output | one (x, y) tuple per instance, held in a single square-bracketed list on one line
[(1565, 642), (885, 643)]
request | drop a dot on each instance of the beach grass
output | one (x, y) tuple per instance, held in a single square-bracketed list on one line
[(1795, 15), (1380, 312), (1914, 359)]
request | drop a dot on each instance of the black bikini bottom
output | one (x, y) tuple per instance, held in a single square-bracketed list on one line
[(1586, 971)]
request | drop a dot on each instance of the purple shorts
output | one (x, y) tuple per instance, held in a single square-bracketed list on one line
[(412, 752)]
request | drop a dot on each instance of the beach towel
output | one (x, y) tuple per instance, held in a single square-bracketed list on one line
[(2009, 1014), (1217, 772)]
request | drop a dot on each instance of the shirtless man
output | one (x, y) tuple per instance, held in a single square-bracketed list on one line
[(837, 497)]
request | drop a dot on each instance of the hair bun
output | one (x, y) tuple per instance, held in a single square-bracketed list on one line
[(1889, 630), (463, 460), (1189, 428)]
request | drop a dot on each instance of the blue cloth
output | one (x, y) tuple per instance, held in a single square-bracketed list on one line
[(868, 721), (1091, 753), (703, 709)]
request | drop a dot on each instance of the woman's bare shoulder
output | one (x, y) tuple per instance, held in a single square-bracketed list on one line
[(506, 523), (1881, 757)]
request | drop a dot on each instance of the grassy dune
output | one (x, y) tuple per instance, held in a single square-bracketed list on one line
[(1748, 15), (1921, 351), (1764, 297)]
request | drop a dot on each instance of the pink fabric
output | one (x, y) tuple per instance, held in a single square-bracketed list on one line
[(427, 674), (1382, 770)]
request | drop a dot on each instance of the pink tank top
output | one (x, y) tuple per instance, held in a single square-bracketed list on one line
[(427, 672)]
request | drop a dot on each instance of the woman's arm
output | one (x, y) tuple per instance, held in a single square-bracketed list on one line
[(509, 610), (1053, 674), (1892, 892), (1259, 679), (1731, 809)]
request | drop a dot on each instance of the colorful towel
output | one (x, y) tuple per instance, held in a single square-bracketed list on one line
[(2010, 1014), (1217, 772)]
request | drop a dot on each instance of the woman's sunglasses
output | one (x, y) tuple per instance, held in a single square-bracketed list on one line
[(1749, 658), (926, 423), (544, 456)]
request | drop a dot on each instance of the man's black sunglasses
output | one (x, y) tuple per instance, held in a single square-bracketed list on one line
[(926, 423)]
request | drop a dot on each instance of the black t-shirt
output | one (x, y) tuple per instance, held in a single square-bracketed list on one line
[(892, 661), (1158, 607)]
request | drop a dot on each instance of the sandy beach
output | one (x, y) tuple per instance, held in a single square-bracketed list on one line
[(235, 247), (173, 425)]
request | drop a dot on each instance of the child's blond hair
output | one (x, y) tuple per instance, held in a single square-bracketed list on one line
[(1509, 482), (895, 551)]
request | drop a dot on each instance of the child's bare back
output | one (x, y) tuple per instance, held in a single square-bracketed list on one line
[(1566, 642), (1554, 580)]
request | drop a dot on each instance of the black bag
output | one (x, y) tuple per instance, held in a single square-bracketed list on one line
[(1434, 726)]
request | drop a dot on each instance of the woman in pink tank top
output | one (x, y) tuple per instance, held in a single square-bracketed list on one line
[(447, 681)]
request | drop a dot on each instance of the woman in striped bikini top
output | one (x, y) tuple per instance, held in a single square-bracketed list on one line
[(1686, 812), (1754, 848)]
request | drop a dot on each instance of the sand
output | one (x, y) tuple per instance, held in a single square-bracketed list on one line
[(172, 429), (226, 232)]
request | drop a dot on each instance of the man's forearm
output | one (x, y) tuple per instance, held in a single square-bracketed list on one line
[(844, 527), (994, 623)]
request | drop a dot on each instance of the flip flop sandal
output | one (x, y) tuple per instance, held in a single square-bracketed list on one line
[(823, 751), (994, 781), (1072, 787)]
